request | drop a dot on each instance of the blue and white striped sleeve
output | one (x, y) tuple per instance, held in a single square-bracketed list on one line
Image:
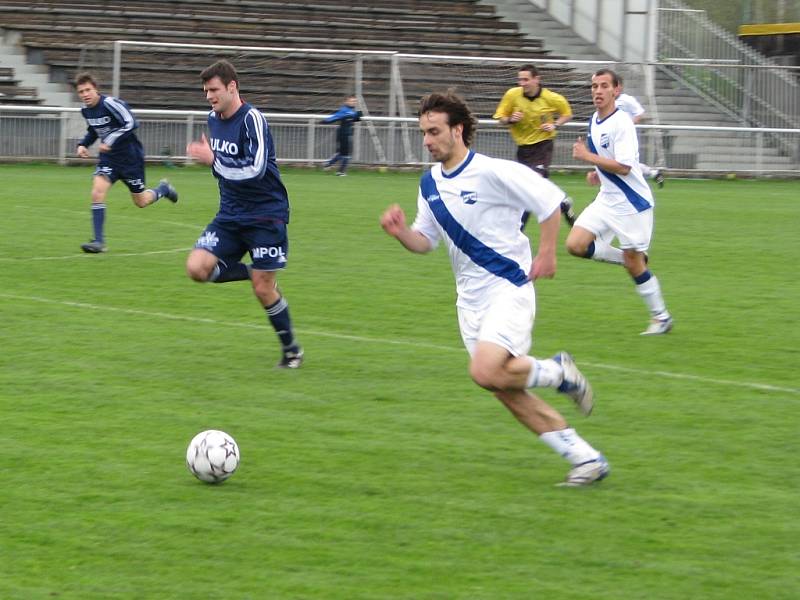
[(123, 115)]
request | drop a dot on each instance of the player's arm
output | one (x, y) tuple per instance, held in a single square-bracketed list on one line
[(83, 146), (337, 116), (393, 221), (201, 151), (581, 152), (563, 110), (544, 263), (505, 113)]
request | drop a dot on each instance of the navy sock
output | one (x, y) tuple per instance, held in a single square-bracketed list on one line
[(224, 273), (345, 161), (278, 314), (643, 277), (98, 219), (589, 250)]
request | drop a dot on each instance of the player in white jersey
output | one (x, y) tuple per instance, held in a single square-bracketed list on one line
[(630, 105), (624, 206), (473, 204)]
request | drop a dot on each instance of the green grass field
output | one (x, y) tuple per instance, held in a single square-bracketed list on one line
[(379, 470)]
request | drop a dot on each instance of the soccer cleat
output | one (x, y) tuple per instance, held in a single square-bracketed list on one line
[(566, 210), (587, 473), (291, 359), (574, 384), (93, 247), (341, 174), (658, 327), (170, 194), (659, 179)]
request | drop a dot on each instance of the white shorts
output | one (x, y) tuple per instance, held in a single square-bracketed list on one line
[(507, 321), (633, 231)]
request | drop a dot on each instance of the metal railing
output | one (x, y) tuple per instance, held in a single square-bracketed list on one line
[(51, 134), (751, 89)]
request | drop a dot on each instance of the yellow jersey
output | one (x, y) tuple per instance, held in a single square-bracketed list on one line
[(546, 107)]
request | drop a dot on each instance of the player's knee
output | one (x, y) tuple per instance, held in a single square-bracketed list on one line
[(483, 375), (140, 200), (576, 247), (198, 272)]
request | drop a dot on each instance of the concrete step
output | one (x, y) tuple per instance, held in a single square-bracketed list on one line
[(13, 55)]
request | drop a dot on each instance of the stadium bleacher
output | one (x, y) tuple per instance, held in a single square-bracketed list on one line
[(66, 36)]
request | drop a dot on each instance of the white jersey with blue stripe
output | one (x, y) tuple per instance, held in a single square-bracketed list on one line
[(630, 105), (476, 209), (615, 137)]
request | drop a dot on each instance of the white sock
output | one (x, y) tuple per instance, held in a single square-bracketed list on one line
[(570, 445), (605, 252), (650, 291), (544, 373)]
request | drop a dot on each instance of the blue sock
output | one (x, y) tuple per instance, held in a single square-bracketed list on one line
[(223, 273), (589, 250), (98, 219), (278, 314), (343, 166)]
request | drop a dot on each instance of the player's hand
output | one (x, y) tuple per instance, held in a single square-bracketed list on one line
[(201, 151), (83, 152), (104, 148), (592, 178), (579, 149), (544, 267), (393, 220), (515, 117), (549, 127)]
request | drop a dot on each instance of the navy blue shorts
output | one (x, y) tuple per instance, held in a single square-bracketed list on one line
[(131, 172), (266, 242)]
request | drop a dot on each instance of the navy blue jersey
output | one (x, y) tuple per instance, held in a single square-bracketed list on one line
[(112, 122), (250, 186), (345, 116)]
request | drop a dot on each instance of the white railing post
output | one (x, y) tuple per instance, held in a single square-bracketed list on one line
[(189, 135), (310, 141), (62, 138)]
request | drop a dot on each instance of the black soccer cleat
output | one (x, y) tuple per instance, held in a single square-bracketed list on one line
[(170, 194), (291, 359), (566, 210), (93, 247), (659, 179)]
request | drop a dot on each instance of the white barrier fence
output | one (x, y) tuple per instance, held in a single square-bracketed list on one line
[(51, 134)]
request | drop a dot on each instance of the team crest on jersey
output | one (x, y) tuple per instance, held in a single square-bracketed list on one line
[(469, 197), (209, 239), (605, 140)]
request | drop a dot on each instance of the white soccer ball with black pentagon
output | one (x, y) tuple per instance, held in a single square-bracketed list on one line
[(212, 456)]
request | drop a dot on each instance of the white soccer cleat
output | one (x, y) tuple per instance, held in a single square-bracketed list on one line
[(658, 327), (574, 384), (587, 473)]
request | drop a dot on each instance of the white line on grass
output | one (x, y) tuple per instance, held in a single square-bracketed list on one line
[(83, 255), (409, 343)]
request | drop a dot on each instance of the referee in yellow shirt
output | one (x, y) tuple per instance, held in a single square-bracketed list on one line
[(533, 114)]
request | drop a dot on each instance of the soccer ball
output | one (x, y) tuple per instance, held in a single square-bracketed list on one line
[(212, 456)]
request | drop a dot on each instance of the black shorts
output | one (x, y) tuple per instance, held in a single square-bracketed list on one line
[(267, 243), (537, 156)]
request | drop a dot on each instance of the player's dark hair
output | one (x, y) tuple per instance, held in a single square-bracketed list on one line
[(530, 69), (455, 108), (84, 77), (222, 69), (614, 77)]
